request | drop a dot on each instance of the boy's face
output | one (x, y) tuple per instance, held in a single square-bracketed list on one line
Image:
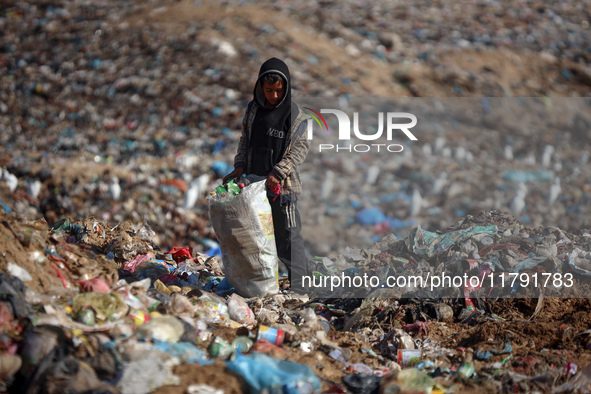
[(274, 92)]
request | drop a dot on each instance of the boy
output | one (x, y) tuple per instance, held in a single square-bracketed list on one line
[(273, 145)]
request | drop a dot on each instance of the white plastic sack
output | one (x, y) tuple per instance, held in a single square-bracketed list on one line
[(243, 224)]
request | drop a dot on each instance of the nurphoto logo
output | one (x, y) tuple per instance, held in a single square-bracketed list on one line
[(345, 130)]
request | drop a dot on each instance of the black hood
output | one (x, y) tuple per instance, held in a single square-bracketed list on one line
[(270, 126), (276, 66)]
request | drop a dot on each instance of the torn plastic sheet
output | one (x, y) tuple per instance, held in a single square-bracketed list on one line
[(425, 242), (531, 261), (487, 354), (580, 262)]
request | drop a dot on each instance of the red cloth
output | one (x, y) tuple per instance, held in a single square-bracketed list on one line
[(277, 190), (180, 254)]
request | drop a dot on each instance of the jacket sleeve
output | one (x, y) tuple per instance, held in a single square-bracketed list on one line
[(241, 154), (295, 154)]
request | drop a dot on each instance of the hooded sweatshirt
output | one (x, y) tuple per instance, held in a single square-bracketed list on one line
[(272, 140), (270, 126)]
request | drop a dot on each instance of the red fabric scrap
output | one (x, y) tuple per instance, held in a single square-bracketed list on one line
[(178, 183), (180, 254), (60, 275), (277, 190)]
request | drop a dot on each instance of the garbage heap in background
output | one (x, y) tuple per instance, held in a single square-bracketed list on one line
[(89, 306), (128, 110)]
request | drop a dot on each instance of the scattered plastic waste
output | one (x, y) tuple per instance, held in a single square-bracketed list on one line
[(119, 127)]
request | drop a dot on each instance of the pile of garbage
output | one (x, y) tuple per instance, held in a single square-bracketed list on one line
[(90, 306), (131, 110), (117, 118)]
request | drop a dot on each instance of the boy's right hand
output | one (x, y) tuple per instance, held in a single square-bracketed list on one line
[(236, 174)]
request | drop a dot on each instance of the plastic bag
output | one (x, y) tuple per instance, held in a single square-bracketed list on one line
[(211, 308), (106, 306), (243, 224), (163, 328), (239, 311), (263, 372)]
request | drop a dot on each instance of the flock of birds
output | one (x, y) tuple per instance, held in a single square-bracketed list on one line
[(200, 185), (197, 187), (518, 202)]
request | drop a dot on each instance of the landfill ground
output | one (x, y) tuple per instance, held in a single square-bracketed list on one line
[(68, 269), (112, 113)]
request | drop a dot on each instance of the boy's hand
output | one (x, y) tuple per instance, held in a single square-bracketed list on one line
[(272, 181), (236, 174)]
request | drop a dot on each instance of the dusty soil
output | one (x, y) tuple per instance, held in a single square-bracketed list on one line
[(215, 375)]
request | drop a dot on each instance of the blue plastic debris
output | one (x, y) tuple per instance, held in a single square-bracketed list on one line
[(214, 251), (487, 354), (5, 207), (262, 372), (370, 216), (218, 146), (518, 176), (184, 351)]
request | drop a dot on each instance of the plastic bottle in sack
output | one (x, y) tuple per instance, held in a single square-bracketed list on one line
[(243, 182), (221, 191), (233, 187), (239, 311)]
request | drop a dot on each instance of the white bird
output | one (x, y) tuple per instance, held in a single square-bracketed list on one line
[(427, 151), (187, 177), (554, 191), (33, 189), (446, 152), (192, 195), (115, 189), (372, 175), (576, 172), (469, 157), (327, 185), (530, 159), (203, 183), (416, 202), (518, 202), (439, 183), (11, 180), (547, 155), (439, 143), (460, 153), (508, 152)]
